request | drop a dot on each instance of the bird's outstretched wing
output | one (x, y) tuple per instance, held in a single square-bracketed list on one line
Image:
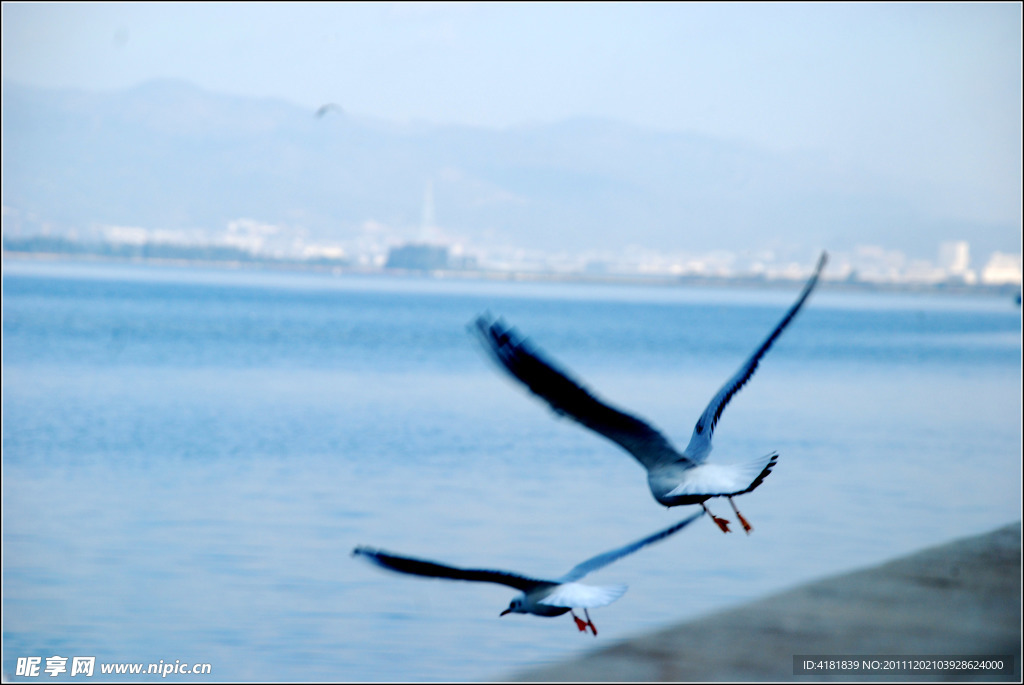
[(602, 560), (529, 366), (700, 442), (430, 569)]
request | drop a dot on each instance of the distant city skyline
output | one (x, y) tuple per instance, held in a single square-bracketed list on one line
[(249, 240)]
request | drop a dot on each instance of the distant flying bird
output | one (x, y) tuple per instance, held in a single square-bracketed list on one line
[(324, 109), (539, 597), (674, 478)]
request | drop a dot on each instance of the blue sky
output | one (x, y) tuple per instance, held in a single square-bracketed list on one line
[(929, 94)]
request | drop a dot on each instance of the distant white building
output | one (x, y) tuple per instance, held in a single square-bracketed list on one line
[(1002, 268), (955, 256), (955, 261)]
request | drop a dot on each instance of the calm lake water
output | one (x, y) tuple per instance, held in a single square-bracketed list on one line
[(189, 457)]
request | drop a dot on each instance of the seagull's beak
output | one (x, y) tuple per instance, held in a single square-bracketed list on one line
[(507, 611)]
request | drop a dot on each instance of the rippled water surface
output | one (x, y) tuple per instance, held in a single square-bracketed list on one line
[(189, 457)]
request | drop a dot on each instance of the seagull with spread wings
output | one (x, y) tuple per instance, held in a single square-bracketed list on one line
[(675, 478), (538, 597), (329, 107)]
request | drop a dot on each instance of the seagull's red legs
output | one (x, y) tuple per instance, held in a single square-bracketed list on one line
[(722, 523), (743, 522), (581, 624)]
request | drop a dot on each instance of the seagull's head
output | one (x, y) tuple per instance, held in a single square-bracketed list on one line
[(515, 607)]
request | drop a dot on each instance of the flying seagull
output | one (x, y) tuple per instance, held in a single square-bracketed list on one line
[(675, 478), (324, 109), (539, 597)]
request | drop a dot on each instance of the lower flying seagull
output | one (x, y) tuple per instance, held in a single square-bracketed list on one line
[(539, 597), (674, 478)]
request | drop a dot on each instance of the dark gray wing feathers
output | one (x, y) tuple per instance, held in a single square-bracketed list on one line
[(569, 398), (430, 569)]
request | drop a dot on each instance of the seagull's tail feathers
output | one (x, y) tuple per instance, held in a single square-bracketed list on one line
[(723, 480), (578, 595), (765, 465)]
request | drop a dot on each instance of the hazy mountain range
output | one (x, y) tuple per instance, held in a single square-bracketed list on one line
[(168, 155)]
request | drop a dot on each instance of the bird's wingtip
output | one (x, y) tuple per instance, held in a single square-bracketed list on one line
[(481, 321)]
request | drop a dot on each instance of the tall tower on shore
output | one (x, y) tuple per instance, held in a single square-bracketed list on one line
[(955, 259)]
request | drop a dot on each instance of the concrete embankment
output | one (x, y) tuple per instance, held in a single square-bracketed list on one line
[(960, 598)]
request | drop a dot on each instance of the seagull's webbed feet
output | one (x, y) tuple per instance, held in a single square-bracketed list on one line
[(581, 624), (743, 522), (722, 523)]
